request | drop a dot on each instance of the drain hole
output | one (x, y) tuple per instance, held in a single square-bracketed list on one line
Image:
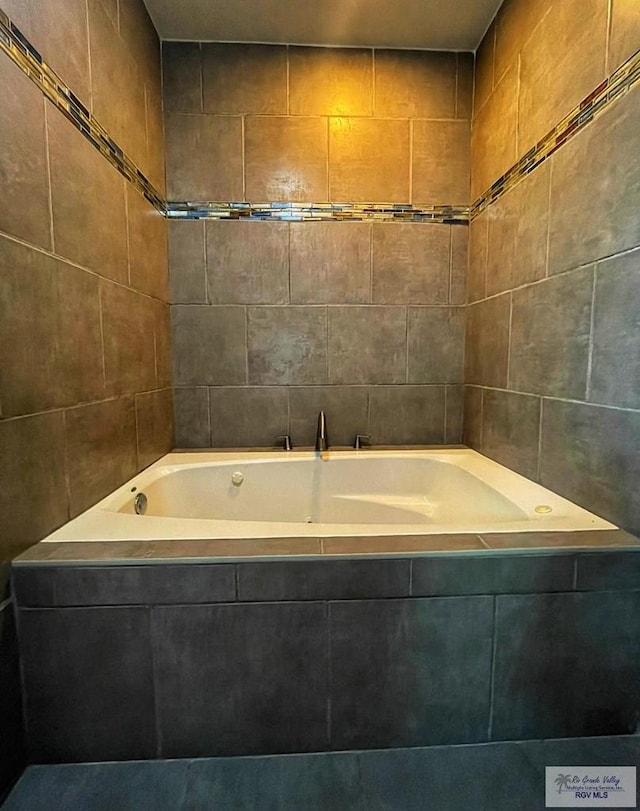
[(140, 504)]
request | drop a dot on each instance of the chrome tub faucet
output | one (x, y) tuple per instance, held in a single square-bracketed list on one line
[(322, 439)]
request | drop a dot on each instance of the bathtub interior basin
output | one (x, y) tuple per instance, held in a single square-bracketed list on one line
[(277, 494)]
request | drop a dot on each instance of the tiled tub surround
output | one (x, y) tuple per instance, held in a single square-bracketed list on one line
[(146, 661), (552, 357)]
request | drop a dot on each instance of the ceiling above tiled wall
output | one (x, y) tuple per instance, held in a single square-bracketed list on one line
[(430, 24)]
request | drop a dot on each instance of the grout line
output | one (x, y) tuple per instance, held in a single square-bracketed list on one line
[(156, 705), (575, 573), (481, 418), (102, 343), (492, 677), (370, 263), (47, 152), (450, 265), (246, 344), (288, 68), (127, 230), (548, 246), (406, 343), (509, 340), (243, 156), (539, 459), (587, 394), (455, 106), (209, 420), (373, 83), (205, 257), (201, 77), (328, 158), (607, 46), (329, 672), (555, 399), (411, 160), (446, 399), (67, 477)]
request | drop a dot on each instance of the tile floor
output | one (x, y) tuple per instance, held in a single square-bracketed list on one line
[(484, 777)]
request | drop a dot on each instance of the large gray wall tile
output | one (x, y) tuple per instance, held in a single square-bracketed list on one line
[(518, 225), (24, 206), (101, 450), (83, 184), (590, 168), (191, 408), (440, 162), (324, 580), (550, 331), (435, 344), (88, 684), (49, 309), (330, 263), (33, 499), (454, 415), (615, 369), (487, 342), (566, 665), (587, 456), (287, 345), (181, 77), (209, 345), (65, 586), (187, 272), (248, 417), (511, 430), (128, 328), (204, 157), (407, 415), (147, 234), (410, 672), (242, 79), (154, 425), (247, 262), (265, 694), (441, 577), (411, 263), (472, 432), (367, 345), (346, 409)]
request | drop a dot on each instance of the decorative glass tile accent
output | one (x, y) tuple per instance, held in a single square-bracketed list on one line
[(21, 51), (298, 212), (620, 81)]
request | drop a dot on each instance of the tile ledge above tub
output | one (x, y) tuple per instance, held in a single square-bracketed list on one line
[(329, 548)]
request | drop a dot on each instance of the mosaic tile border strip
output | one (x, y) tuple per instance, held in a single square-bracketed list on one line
[(309, 212), (26, 57), (620, 82)]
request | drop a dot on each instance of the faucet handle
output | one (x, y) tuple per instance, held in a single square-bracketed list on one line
[(285, 442), (361, 440)]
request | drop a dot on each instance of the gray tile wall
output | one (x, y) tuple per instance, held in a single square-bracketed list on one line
[(84, 320), (553, 336), (273, 321), (143, 661), (84, 323)]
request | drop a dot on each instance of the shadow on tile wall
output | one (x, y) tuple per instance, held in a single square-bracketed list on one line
[(273, 321), (553, 338)]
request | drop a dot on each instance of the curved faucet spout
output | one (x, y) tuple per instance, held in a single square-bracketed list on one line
[(322, 439)]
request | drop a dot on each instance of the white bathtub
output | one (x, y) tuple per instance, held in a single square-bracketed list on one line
[(347, 493)]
